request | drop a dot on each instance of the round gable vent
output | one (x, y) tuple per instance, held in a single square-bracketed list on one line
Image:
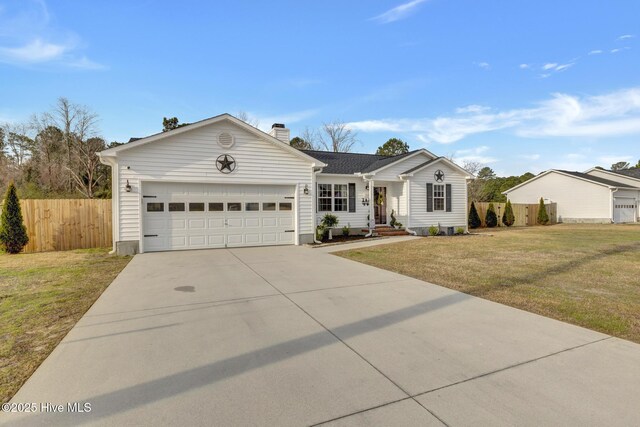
[(226, 140)]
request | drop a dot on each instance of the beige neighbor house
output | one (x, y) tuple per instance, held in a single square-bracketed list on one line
[(594, 196), (222, 183)]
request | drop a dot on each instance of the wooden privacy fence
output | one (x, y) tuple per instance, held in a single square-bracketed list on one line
[(525, 214), (63, 224)]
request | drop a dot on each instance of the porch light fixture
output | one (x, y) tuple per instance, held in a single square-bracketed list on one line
[(365, 201), (127, 187), (306, 190)]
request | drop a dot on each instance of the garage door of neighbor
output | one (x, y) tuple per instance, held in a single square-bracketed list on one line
[(624, 210), (197, 216)]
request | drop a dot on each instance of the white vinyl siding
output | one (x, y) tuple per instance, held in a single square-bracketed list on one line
[(357, 219), (419, 215), (191, 156), (576, 199), (392, 172)]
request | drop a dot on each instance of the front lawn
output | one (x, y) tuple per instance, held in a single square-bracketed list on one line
[(42, 296), (588, 275)]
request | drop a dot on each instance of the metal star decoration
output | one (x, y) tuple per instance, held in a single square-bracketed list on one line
[(225, 163), (439, 175)]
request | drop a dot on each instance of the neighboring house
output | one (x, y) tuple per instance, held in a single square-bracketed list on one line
[(595, 196), (223, 183)]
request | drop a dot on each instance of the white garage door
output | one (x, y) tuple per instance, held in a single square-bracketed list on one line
[(194, 216), (624, 210)]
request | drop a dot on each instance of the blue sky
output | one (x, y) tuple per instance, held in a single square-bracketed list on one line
[(519, 86)]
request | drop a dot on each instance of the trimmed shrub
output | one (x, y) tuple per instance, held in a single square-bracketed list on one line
[(460, 230), (543, 216), (434, 231), (474, 218), (491, 219), (508, 218), (346, 230), (13, 233)]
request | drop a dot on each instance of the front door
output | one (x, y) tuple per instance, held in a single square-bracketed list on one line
[(380, 200)]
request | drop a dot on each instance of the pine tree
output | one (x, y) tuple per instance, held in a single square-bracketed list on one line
[(474, 218), (491, 219), (507, 217), (543, 217), (13, 233)]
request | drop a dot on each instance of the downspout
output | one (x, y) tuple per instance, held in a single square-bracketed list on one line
[(408, 198), (371, 229), (314, 202), (613, 202), (115, 194)]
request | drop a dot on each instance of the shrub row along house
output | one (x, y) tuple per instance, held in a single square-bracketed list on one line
[(223, 183), (594, 196)]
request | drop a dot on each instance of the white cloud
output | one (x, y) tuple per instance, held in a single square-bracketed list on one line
[(33, 52), (473, 155), (28, 37), (626, 37), (620, 49), (531, 157), (595, 52), (472, 109), (563, 115), (550, 66), (265, 122), (563, 67), (524, 66), (399, 12), (611, 159), (483, 65)]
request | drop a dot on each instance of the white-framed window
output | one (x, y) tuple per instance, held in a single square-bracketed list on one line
[(340, 197), (324, 198), (333, 197), (438, 197)]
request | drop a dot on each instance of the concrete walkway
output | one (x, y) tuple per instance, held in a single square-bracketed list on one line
[(297, 336)]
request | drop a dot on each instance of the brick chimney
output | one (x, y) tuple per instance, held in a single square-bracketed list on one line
[(280, 132)]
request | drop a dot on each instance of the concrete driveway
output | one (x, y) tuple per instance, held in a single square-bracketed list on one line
[(297, 336)]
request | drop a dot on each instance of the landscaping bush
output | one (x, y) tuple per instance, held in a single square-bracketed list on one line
[(491, 219), (474, 218), (460, 230), (346, 230), (543, 217), (507, 217), (434, 231), (13, 233)]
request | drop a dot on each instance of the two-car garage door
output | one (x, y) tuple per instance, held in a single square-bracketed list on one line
[(195, 216)]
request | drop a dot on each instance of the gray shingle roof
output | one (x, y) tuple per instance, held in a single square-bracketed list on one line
[(597, 179), (350, 163), (632, 172)]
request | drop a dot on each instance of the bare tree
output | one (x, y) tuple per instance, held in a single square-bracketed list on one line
[(17, 142), (337, 137), (475, 185), (245, 117), (311, 137)]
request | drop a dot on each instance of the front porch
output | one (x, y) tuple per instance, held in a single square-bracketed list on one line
[(387, 198)]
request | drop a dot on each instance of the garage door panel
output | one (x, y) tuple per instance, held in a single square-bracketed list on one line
[(234, 215)]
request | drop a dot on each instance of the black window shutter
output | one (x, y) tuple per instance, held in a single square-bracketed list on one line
[(448, 198), (352, 197), (429, 197)]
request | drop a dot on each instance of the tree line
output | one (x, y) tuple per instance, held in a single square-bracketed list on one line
[(53, 154)]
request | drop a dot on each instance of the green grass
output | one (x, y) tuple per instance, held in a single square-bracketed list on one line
[(42, 296), (588, 275)]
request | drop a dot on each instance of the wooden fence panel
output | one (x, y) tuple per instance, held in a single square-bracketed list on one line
[(525, 214), (63, 224)]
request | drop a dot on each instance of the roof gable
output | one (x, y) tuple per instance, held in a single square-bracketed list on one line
[(578, 175), (137, 142), (418, 168)]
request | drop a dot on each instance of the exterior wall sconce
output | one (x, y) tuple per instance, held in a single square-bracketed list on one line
[(127, 187), (306, 190), (367, 187), (365, 201)]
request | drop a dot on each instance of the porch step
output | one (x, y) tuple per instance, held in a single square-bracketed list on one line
[(385, 230)]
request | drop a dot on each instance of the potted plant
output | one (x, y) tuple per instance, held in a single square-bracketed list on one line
[(393, 221), (328, 222)]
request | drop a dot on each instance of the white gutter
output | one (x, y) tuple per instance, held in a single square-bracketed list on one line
[(314, 202), (407, 228)]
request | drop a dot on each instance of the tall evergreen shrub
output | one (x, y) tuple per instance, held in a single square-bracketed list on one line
[(491, 219), (13, 233), (543, 216), (508, 218), (474, 218)]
